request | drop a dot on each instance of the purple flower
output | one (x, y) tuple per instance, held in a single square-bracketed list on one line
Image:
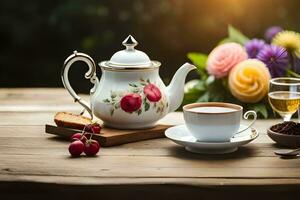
[(254, 46), (276, 58), (271, 32)]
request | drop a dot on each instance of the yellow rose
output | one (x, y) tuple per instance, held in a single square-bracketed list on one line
[(249, 81)]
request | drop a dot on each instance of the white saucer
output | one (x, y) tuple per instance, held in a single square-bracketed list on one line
[(180, 135)]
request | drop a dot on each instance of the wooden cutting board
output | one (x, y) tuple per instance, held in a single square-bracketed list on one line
[(113, 137)]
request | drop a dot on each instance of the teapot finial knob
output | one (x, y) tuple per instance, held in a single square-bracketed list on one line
[(130, 43)]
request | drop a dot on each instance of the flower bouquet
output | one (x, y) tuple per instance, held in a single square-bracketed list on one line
[(238, 70)]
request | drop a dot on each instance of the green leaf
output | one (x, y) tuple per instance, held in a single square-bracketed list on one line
[(225, 40), (113, 95), (234, 35), (190, 98), (210, 80), (293, 74), (106, 100), (200, 86), (133, 85), (135, 90), (139, 112), (146, 106), (194, 86), (117, 105), (193, 90), (112, 111), (204, 97), (158, 110), (260, 108), (198, 59)]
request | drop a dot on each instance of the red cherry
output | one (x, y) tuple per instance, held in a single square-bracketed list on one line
[(93, 128), (131, 102), (152, 92), (76, 148), (88, 128), (96, 128), (91, 147), (78, 136)]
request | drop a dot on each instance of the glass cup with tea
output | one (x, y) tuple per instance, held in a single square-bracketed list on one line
[(284, 96)]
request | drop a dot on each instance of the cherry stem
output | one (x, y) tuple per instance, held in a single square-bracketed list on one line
[(91, 134), (83, 131)]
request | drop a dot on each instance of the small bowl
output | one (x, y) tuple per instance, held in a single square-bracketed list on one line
[(292, 141)]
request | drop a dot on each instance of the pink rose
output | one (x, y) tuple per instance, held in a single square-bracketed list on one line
[(152, 92), (131, 102), (224, 57)]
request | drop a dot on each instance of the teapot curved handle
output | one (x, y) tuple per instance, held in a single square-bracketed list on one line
[(90, 74)]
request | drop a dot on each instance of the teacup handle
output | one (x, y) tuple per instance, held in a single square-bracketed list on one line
[(246, 116)]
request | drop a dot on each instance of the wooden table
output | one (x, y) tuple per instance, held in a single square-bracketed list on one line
[(36, 165)]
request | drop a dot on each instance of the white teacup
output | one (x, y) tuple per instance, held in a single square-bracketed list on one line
[(215, 121)]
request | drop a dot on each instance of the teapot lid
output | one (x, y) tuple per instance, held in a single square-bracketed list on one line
[(129, 58)]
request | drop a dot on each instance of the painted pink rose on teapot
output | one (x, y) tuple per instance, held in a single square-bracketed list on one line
[(130, 94)]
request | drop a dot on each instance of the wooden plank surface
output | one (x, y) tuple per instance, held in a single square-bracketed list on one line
[(30, 156)]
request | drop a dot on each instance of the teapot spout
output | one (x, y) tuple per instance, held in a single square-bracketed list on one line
[(176, 87)]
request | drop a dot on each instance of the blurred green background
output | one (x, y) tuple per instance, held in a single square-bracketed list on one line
[(36, 36)]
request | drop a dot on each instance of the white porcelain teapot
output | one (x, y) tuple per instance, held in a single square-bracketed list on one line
[(130, 93)]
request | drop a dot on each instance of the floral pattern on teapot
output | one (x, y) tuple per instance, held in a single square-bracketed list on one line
[(121, 100), (139, 97)]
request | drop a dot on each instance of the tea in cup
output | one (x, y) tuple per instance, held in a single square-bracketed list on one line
[(215, 121)]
